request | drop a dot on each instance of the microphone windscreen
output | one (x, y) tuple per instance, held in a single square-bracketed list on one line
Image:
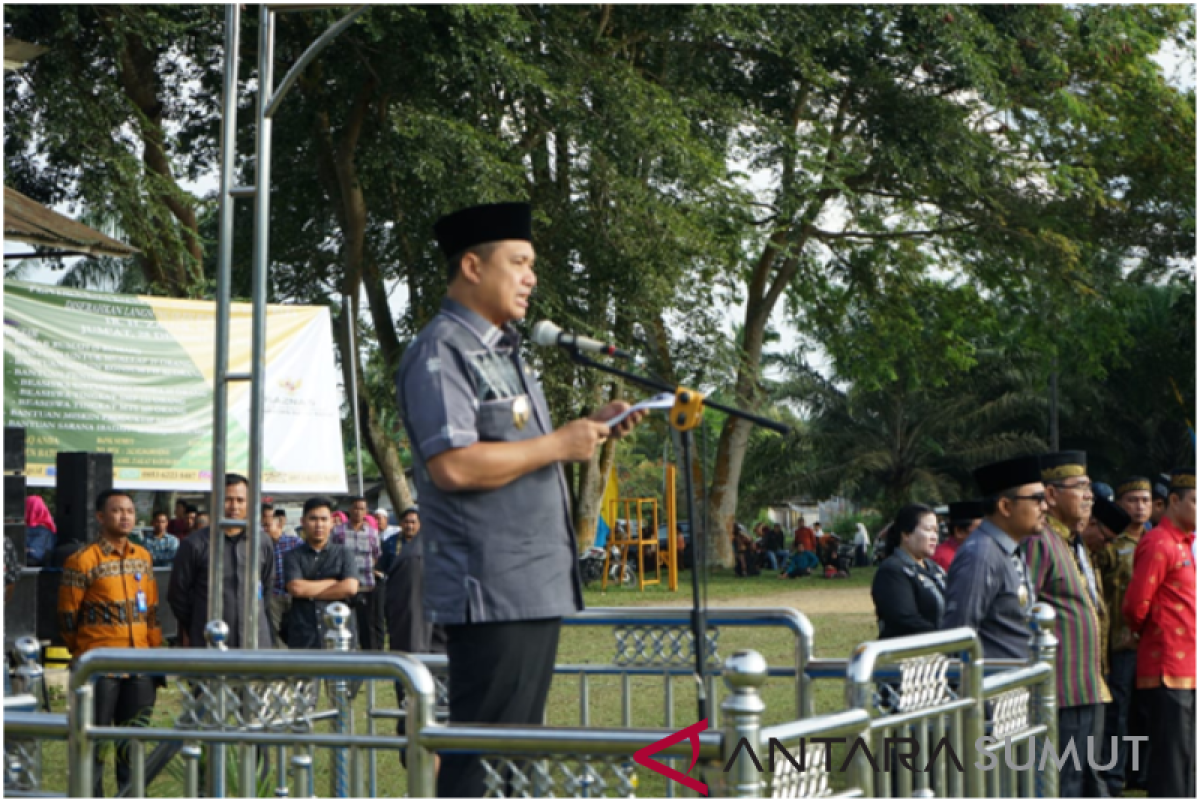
[(546, 333)]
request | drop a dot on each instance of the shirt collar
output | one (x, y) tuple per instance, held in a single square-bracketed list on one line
[(485, 331), (1059, 528), (107, 549), (1006, 542), (905, 557), (1166, 524)]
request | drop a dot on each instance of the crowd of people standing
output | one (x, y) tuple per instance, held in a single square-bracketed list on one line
[(1118, 569), (109, 597)]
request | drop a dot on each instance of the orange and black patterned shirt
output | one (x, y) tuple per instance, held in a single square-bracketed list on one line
[(97, 599)]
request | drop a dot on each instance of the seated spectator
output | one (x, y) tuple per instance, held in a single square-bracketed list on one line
[(800, 564), (773, 548), (316, 574), (40, 532), (161, 545)]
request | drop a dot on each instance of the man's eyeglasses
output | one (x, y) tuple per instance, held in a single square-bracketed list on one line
[(1040, 497), (1080, 487)]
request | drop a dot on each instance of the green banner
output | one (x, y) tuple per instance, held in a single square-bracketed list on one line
[(133, 376)]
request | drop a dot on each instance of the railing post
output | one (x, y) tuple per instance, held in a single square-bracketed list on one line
[(191, 769), (1045, 699), (745, 673), (419, 713), (28, 676), (860, 693), (216, 632), (302, 784), (973, 718), (27, 679), (81, 713), (338, 637)]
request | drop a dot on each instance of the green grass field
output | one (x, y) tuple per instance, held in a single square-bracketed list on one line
[(837, 615)]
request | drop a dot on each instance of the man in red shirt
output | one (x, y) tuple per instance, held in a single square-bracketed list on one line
[(964, 518), (804, 539), (1160, 607)]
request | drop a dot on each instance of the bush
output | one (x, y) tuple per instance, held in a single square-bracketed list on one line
[(846, 525)]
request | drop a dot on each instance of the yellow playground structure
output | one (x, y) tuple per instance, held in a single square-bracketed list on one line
[(636, 532)]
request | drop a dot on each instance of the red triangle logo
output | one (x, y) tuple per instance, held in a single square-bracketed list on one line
[(692, 732)]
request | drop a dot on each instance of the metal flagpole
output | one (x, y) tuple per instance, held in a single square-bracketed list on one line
[(348, 311)]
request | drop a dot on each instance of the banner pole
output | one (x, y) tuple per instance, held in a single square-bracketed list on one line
[(349, 309)]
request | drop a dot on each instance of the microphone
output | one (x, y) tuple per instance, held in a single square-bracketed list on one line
[(547, 334)]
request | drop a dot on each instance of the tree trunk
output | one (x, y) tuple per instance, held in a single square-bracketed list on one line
[(592, 477)]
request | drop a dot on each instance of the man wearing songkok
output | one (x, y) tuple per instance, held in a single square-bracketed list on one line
[(499, 554), (1133, 495), (988, 586), (1160, 607), (1062, 576)]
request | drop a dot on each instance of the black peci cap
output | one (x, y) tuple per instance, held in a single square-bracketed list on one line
[(965, 512), (494, 222), (1003, 475), (1110, 515), (1060, 466)]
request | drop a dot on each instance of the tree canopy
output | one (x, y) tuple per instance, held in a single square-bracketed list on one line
[(949, 203)]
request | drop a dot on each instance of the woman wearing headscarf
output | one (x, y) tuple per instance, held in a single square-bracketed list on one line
[(909, 588), (40, 531)]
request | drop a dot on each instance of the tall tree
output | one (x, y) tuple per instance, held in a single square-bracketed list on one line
[(943, 136), (113, 117)]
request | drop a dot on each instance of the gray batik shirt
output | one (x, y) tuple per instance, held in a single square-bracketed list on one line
[(504, 554), (984, 592)]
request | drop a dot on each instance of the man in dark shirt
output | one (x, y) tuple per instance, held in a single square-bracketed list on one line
[(316, 574), (988, 586), (188, 591)]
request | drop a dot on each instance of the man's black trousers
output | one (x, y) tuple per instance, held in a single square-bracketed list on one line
[(120, 702), (499, 673), (368, 613), (1172, 742)]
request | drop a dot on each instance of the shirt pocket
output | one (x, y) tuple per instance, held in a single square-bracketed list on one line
[(498, 419)]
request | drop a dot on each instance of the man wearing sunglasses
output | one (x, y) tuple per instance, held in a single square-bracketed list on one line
[(1062, 576), (987, 588)]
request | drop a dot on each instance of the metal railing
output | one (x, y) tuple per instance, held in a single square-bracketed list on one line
[(266, 702), (254, 699)]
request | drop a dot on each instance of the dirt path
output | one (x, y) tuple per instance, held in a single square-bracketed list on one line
[(847, 600)]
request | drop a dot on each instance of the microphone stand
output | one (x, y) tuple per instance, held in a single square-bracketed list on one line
[(685, 416)]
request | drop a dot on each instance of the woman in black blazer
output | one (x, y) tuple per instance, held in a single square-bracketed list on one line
[(909, 588)]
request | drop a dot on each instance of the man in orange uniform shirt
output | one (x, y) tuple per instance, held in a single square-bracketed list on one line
[(1160, 607), (108, 598)]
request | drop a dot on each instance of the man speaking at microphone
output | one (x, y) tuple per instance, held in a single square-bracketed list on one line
[(500, 554)]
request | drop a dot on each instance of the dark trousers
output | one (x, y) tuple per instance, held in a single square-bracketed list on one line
[(1122, 679), (1077, 724), (368, 613), (499, 673), (121, 702), (1173, 754)]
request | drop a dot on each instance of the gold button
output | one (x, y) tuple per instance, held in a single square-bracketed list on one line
[(1179, 631), (1179, 654)]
